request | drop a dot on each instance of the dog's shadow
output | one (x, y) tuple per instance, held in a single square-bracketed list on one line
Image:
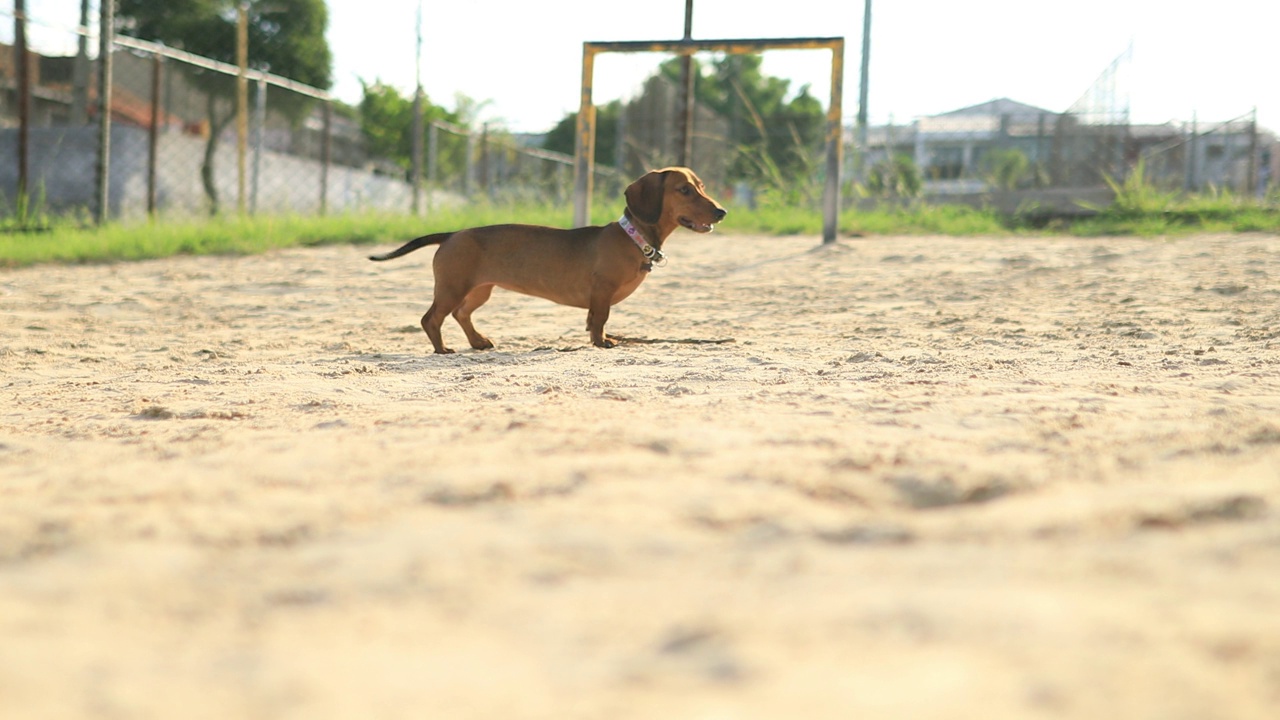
[(409, 363)]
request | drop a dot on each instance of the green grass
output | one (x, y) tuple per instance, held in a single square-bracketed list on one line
[(1213, 214), (70, 241)]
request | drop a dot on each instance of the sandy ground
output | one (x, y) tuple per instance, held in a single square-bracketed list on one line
[(921, 478)]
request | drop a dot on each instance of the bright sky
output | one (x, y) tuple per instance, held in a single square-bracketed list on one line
[(928, 56)]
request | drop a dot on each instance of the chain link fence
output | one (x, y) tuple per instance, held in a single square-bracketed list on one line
[(462, 163), (180, 145), (1017, 157)]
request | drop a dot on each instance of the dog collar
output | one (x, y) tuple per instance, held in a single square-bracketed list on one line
[(651, 253)]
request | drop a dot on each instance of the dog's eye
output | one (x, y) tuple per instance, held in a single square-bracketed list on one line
[(685, 190)]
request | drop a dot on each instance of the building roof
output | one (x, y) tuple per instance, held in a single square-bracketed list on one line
[(996, 108)]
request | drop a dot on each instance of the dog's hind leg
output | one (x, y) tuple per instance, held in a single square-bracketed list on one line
[(462, 314), (431, 323), (448, 297)]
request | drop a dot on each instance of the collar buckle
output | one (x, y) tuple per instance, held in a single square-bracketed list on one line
[(651, 253)]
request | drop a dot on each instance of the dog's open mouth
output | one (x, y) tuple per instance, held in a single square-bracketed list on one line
[(696, 226)]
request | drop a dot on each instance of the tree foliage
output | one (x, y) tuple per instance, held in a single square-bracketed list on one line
[(777, 139), (286, 37), (563, 137), (386, 118)]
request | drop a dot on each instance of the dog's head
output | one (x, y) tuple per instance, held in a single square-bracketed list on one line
[(673, 197)]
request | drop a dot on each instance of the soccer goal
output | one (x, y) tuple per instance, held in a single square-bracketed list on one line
[(584, 161)]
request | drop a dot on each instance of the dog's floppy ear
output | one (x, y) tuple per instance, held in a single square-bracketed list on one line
[(644, 197)]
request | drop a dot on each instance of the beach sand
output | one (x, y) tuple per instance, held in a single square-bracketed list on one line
[(893, 477)]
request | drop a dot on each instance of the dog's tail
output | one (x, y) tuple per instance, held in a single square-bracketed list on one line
[(412, 245)]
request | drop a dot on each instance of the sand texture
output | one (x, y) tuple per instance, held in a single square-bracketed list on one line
[(886, 478)]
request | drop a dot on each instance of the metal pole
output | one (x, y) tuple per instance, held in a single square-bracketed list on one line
[(80, 72), (620, 143), (584, 145), (242, 101), (415, 176), (106, 32), (685, 106), (153, 134), (259, 139), (486, 173), (326, 155), (1251, 183), (1191, 180), (835, 148), (468, 176), (433, 161), (862, 90), (23, 61)]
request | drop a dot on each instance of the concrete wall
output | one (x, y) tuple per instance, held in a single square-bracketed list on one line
[(63, 164)]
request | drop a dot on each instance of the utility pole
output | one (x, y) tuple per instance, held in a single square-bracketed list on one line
[(685, 106)]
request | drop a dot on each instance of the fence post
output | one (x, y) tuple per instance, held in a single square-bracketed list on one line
[(486, 172), (23, 61), (259, 138), (80, 72), (469, 173), (242, 102), (1189, 183), (433, 161), (153, 134), (415, 171), (106, 31), (1251, 184), (620, 144), (326, 155)]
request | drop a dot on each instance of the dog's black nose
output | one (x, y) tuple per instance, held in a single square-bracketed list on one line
[(720, 213)]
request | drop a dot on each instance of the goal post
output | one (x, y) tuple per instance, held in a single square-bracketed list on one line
[(584, 150)]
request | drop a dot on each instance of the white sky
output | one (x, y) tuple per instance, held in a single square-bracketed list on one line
[(928, 56)]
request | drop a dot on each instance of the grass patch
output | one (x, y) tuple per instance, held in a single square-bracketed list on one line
[(1198, 214), (68, 241)]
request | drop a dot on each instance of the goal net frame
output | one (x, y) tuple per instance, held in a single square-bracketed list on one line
[(584, 145)]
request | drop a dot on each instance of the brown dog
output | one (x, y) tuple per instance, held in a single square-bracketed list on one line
[(590, 267)]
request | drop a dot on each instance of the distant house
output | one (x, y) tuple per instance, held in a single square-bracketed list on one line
[(957, 152)]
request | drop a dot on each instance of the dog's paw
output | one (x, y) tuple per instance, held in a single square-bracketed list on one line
[(606, 343)]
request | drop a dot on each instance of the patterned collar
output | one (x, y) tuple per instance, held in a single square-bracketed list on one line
[(651, 253)]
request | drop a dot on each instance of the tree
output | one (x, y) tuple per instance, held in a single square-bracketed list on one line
[(386, 118), (286, 37), (776, 139), (563, 137)]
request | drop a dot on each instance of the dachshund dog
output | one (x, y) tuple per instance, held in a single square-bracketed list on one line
[(590, 267)]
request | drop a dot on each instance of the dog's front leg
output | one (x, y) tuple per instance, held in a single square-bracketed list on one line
[(598, 315)]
